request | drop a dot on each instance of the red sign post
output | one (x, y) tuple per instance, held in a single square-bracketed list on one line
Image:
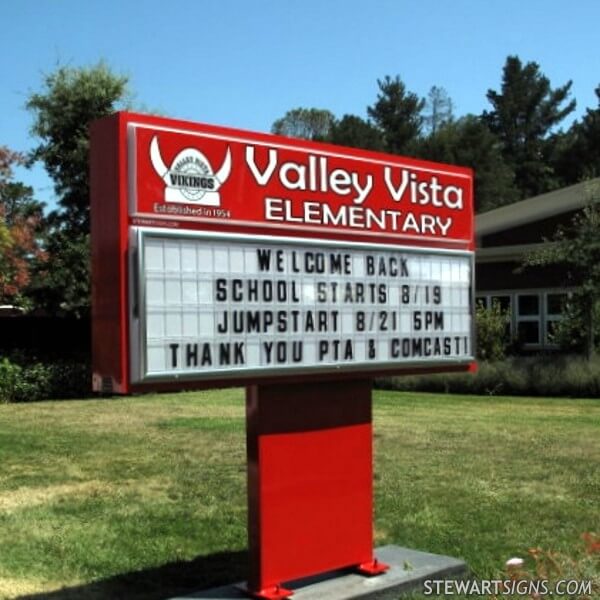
[(300, 270)]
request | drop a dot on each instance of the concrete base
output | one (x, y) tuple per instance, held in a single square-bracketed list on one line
[(408, 570)]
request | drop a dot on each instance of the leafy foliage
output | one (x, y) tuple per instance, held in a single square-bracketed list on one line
[(63, 280), (589, 140), (10, 375), (563, 376), (577, 246), (305, 123), (397, 113), (577, 153), (397, 123), (491, 331), (524, 114), (8, 159), (439, 107), (33, 380), (70, 100), (569, 333), (21, 230), (353, 131)]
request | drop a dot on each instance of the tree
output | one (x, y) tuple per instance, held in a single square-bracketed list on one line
[(8, 159), (397, 113), (21, 227), (439, 108), (71, 98), (578, 152), (524, 114), (305, 123), (469, 142), (589, 134), (577, 247), (353, 131), (62, 282)]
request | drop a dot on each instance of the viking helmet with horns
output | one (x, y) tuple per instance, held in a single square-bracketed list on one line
[(190, 178)]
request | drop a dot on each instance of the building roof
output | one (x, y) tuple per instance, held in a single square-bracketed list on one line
[(537, 208)]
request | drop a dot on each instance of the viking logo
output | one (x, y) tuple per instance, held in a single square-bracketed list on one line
[(190, 178)]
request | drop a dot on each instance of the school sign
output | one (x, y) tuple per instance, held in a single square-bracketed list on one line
[(300, 270)]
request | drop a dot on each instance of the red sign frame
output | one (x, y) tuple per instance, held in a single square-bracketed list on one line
[(254, 184)]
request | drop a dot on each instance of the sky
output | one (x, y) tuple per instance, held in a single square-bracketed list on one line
[(245, 63)]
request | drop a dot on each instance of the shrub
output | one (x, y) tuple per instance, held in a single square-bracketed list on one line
[(571, 333), (23, 380), (10, 376), (491, 324), (543, 375)]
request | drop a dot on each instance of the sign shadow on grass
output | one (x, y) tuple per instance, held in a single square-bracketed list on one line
[(173, 579)]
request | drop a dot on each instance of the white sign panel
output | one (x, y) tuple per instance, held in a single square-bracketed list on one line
[(218, 306)]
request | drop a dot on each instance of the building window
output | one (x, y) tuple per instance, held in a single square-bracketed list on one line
[(533, 314), (529, 305), (529, 319)]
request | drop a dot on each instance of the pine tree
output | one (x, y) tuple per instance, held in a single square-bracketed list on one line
[(397, 113), (524, 114)]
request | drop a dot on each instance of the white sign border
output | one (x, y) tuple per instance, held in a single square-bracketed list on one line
[(137, 312)]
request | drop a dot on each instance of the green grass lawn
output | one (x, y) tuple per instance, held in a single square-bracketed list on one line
[(145, 497)]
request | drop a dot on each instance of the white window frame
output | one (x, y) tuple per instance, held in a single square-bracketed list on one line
[(543, 317)]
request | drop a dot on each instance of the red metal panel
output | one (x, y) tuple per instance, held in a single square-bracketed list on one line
[(283, 184), (309, 479), (108, 184)]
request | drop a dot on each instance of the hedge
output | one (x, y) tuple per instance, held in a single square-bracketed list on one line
[(566, 376), (28, 380), (24, 380)]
